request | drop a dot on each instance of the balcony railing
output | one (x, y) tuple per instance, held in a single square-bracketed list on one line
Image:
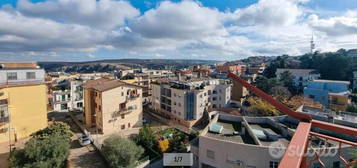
[(117, 113), (133, 96), (21, 81)]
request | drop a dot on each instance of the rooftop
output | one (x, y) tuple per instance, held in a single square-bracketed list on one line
[(104, 84), (331, 81), (18, 65), (232, 132)]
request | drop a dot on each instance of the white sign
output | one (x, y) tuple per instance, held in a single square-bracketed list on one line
[(178, 159)]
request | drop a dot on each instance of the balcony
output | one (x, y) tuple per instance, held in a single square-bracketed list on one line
[(4, 120), (133, 96), (117, 113)]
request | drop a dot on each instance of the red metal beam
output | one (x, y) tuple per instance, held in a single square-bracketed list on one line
[(286, 110), (294, 154), (335, 127), (333, 138)]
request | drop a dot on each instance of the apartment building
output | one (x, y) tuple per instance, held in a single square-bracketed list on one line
[(23, 100), (239, 92), (111, 105), (68, 96), (330, 93), (236, 69), (185, 101), (300, 76), (233, 141)]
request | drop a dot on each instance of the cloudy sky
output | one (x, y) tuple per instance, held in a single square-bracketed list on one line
[(83, 30)]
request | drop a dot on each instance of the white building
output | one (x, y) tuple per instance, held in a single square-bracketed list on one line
[(24, 75), (70, 98), (230, 141), (301, 76), (186, 101)]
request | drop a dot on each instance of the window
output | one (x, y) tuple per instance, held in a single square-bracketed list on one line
[(30, 75), (64, 106), (311, 96), (3, 112), (63, 97), (79, 104), (122, 116), (214, 92), (336, 164), (128, 125), (122, 93), (210, 154), (273, 164), (209, 92), (122, 126), (214, 98), (11, 76)]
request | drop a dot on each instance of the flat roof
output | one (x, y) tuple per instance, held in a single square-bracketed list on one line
[(331, 81), (229, 127), (268, 128)]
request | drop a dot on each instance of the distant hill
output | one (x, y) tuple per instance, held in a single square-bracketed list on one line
[(119, 64)]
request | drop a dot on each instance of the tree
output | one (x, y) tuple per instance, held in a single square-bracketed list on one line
[(280, 93), (57, 128), (148, 141), (335, 66), (261, 107), (287, 80), (51, 151), (352, 108), (178, 142), (121, 152), (264, 83), (46, 148)]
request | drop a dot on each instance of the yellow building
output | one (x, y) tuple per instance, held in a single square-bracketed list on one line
[(338, 102), (23, 100)]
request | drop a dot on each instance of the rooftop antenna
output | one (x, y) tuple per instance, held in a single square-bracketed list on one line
[(312, 44)]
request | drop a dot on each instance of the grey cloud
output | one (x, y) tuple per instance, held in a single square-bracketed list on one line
[(104, 14)]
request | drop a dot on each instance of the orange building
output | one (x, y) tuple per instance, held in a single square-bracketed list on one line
[(236, 69)]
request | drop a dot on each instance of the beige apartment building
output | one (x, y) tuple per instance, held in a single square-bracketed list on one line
[(112, 106)]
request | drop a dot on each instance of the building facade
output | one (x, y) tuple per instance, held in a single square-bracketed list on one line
[(23, 100), (236, 69), (330, 93), (301, 77), (70, 98), (230, 141), (186, 101), (112, 106)]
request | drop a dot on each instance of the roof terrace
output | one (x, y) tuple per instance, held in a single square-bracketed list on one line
[(232, 131)]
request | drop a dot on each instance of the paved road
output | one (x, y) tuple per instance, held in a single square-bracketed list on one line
[(86, 157)]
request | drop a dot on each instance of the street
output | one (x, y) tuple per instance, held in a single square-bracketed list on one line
[(87, 156)]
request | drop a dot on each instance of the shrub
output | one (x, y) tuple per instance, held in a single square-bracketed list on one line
[(47, 148), (121, 152)]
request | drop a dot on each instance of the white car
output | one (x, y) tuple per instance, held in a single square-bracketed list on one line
[(84, 140)]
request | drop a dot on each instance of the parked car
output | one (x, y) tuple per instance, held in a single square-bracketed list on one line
[(84, 140)]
